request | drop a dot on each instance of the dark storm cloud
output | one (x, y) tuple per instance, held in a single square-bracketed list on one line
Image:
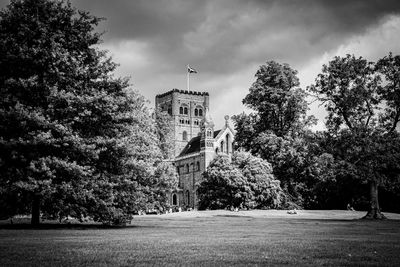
[(226, 40), (224, 36), (142, 19)]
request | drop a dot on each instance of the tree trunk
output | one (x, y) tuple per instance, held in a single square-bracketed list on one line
[(35, 210), (374, 210)]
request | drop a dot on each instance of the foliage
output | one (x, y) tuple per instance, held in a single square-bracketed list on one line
[(265, 189), (389, 69), (278, 101), (223, 186), (165, 133), (246, 182), (74, 142), (348, 89), (164, 179), (277, 130), (363, 134)]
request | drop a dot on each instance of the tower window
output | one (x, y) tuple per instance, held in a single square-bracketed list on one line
[(184, 136), (227, 143), (183, 109), (196, 112), (200, 112), (198, 166), (209, 133)]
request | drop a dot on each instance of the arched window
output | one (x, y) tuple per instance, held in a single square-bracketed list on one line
[(200, 112), (209, 133), (222, 146), (227, 143), (187, 168), (180, 110), (174, 200), (169, 110), (185, 110), (196, 112), (188, 197), (198, 166), (184, 136)]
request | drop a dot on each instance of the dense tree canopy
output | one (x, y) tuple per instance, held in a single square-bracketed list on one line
[(278, 101), (165, 133), (73, 140), (389, 69), (277, 130), (362, 117), (244, 182)]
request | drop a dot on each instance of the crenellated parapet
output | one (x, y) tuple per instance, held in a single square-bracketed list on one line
[(182, 92)]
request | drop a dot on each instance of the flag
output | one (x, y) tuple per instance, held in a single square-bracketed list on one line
[(191, 70)]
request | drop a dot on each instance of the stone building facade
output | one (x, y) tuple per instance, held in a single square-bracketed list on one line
[(196, 142)]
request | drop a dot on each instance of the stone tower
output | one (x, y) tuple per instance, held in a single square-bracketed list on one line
[(187, 109)]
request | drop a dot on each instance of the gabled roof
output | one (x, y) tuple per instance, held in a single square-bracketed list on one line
[(194, 145), (221, 132), (216, 133)]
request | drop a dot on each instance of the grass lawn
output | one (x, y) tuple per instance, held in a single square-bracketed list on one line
[(212, 238)]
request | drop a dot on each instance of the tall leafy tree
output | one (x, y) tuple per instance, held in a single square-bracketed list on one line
[(73, 141), (278, 101), (276, 128), (362, 117)]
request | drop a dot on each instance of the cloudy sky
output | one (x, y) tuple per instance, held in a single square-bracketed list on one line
[(227, 41)]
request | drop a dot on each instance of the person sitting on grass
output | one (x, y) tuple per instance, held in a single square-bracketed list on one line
[(293, 211), (349, 207)]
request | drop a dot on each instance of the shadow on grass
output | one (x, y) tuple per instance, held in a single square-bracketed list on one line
[(72, 226), (361, 219), (232, 215)]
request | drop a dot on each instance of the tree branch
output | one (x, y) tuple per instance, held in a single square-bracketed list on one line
[(396, 120), (370, 113), (346, 119)]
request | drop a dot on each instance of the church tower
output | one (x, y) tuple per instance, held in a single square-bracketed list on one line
[(187, 109), (196, 141)]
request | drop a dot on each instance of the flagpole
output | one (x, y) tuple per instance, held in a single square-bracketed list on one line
[(188, 78)]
